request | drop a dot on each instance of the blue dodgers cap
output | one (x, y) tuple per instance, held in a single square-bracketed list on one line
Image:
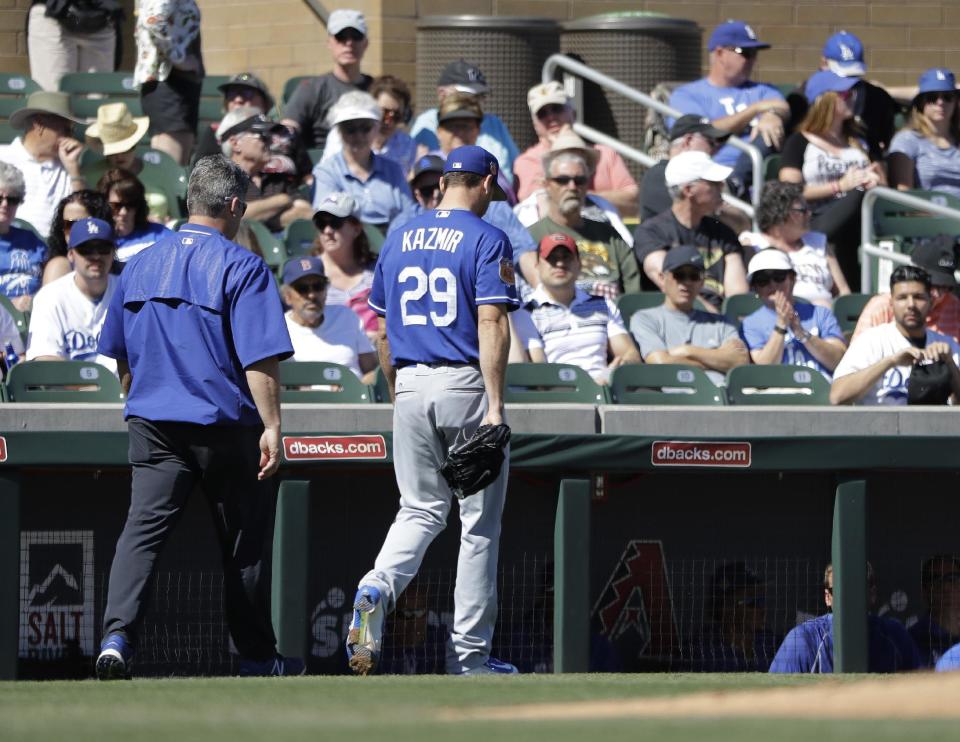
[(936, 80), (296, 268), (473, 159), (90, 230), (826, 81), (735, 33), (682, 255), (844, 54)]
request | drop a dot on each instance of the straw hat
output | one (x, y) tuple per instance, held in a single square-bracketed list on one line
[(117, 129), (568, 139), (57, 104)]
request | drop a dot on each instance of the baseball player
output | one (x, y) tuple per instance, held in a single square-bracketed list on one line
[(442, 287)]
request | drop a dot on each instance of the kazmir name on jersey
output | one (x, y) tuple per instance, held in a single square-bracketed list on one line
[(432, 238)]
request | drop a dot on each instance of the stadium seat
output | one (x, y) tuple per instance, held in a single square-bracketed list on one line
[(771, 167), (86, 108), (8, 133), (738, 306), (273, 249), (531, 383), (904, 223), (777, 385), (211, 111), (299, 236), (847, 310), (107, 84), (20, 319), (630, 303), (63, 381), (315, 153), (12, 83), (9, 104), (317, 381), (210, 84), (290, 85), (375, 237), (663, 384), (380, 389)]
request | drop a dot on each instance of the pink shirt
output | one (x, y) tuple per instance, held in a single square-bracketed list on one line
[(611, 174)]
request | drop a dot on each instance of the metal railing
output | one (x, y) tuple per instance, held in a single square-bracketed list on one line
[(561, 61), (872, 250)]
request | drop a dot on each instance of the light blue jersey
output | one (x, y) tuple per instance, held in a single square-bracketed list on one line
[(431, 276)]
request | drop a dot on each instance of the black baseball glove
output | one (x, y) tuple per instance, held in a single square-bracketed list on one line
[(476, 462)]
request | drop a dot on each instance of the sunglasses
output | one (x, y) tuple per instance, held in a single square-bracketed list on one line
[(390, 113), (578, 180), (350, 128), (750, 53), (117, 206), (427, 192), (309, 288), (348, 34), (688, 275), (89, 250), (241, 92), (945, 95), (334, 222), (11, 200), (800, 209), (766, 277), (551, 109)]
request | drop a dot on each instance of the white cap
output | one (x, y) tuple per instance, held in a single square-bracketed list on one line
[(352, 106), (544, 94), (769, 259), (341, 19), (690, 166)]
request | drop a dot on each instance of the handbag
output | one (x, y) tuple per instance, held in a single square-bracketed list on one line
[(929, 384), (82, 16)]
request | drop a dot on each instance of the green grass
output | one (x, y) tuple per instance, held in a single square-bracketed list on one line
[(397, 709)]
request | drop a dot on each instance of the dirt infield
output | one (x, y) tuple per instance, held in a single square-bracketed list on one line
[(920, 696)]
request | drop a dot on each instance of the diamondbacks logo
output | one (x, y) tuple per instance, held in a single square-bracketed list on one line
[(56, 593)]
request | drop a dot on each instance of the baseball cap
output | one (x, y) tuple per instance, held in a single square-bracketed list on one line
[(735, 33), (459, 106), (248, 80), (938, 258), (343, 18), (240, 120), (569, 140), (545, 94), (465, 77), (473, 159), (691, 123), (354, 105), (690, 166), (844, 54), (336, 204), (936, 80), (552, 241), (90, 230), (682, 255), (427, 164), (826, 81), (769, 259), (296, 268)]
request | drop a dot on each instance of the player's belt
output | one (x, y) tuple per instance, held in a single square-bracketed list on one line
[(438, 364)]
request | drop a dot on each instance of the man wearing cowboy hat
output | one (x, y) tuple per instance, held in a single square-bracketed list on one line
[(119, 132), (46, 154)]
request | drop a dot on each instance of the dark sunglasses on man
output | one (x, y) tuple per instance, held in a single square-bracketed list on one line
[(763, 278), (334, 222), (746, 53), (349, 128)]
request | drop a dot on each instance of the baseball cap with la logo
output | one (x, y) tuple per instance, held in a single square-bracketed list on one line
[(90, 230)]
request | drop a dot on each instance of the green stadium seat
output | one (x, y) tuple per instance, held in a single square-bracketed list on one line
[(273, 249), (210, 84), (532, 383), (847, 310), (380, 389), (20, 319), (738, 306), (629, 304), (777, 385), (20, 223), (666, 384), (299, 236), (86, 108), (771, 167), (211, 111), (317, 381), (107, 84), (904, 223), (63, 381), (315, 153), (9, 104), (12, 83), (8, 133), (290, 85), (375, 237)]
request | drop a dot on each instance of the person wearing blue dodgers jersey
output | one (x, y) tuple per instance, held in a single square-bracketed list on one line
[(197, 329), (443, 286)]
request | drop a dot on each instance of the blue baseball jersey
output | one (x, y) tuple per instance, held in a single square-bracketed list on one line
[(431, 276)]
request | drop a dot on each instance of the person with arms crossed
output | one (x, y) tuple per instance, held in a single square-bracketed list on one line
[(197, 329), (443, 286)]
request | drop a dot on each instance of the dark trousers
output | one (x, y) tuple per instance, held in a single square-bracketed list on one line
[(839, 219), (168, 460)]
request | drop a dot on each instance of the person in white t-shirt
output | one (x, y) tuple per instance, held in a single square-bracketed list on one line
[(68, 313), (564, 324), (877, 367), (323, 332)]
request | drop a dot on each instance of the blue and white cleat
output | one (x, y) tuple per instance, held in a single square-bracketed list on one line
[(493, 667), (366, 631), (276, 667), (115, 658)]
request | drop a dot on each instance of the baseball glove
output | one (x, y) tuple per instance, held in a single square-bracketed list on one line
[(476, 462)]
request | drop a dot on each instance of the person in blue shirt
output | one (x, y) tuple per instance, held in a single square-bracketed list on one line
[(950, 662), (127, 199), (787, 331), (197, 330), (809, 646), (22, 252), (443, 286), (376, 183), (754, 111)]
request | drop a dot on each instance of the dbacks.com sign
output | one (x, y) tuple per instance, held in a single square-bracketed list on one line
[(335, 447)]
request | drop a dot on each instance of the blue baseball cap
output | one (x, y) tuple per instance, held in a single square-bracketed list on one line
[(296, 268), (90, 230), (473, 159), (826, 81), (735, 33), (844, 54), (681, 255), (936, 80)]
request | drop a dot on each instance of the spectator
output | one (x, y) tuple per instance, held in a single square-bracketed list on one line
[(376, 183), (695, 182), (68, 314), (607, 265), (828, 157), (320, 331), (47, 155), (463, 77), (118, 133), (73, 208), (677, 332), (170, 73), (939, 628), (924, 154), (552, 113), (784, 331), (755, 112), (127, 200), (809, 646), (347, 259), (272, 198), (309, 106), (563, 324), (68, 36), (784, 219), (21, 252), (937, 257), (393, 97), (876, 369)]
